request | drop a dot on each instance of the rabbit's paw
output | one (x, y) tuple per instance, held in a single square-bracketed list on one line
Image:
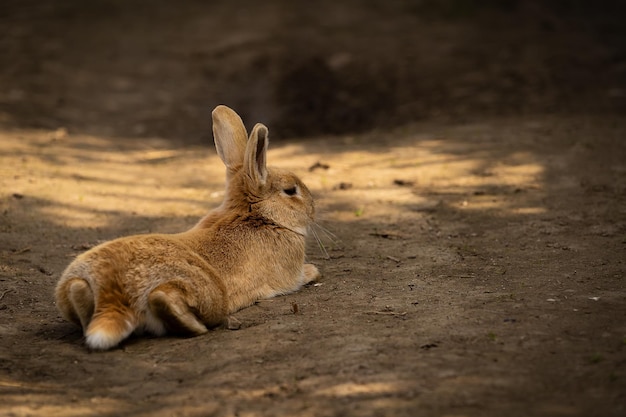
[(310, 273)]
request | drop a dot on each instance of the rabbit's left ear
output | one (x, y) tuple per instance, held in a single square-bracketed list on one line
[(255, 164), (230, 138)]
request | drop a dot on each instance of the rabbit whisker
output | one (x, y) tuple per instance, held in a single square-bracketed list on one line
[(329, 235), (320, 244)]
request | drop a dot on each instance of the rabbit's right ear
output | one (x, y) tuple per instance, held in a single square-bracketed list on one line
[(256, 156), (230, 137)]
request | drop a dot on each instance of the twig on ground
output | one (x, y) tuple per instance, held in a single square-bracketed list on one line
[(386, 313), (4, 293)]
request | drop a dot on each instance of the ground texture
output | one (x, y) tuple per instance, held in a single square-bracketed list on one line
[(474, 241)]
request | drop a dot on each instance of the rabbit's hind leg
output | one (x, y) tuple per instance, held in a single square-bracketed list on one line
[(76, 301), (168, 303), (81, 297)]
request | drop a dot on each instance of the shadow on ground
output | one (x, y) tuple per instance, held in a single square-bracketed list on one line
[(143, 68)]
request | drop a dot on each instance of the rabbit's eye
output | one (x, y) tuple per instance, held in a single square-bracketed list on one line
[(291, 191)]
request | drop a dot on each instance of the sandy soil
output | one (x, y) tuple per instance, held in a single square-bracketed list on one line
[(473, 262)]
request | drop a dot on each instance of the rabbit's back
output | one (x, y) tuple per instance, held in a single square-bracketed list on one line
[(137, 262)]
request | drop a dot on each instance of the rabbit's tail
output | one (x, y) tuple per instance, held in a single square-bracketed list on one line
[(110, 325)]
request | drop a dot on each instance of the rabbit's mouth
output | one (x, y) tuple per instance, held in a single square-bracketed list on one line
[(302, 231), (298, 230)]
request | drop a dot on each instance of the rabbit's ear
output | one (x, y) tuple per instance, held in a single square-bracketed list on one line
[(256, 155), (230, 137)]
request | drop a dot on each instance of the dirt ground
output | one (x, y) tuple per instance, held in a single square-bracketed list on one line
[(474, 240)]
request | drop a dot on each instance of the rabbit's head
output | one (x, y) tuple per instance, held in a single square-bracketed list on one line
[(252, 188)]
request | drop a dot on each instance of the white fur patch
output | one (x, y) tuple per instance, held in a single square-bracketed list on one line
[(101, 340)]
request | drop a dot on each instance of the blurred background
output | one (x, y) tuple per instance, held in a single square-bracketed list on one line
[(156, 68)]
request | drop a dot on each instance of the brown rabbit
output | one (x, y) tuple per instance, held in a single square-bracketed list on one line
[(249, 248)]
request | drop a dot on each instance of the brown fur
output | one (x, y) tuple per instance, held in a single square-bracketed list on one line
[(250, 247)]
